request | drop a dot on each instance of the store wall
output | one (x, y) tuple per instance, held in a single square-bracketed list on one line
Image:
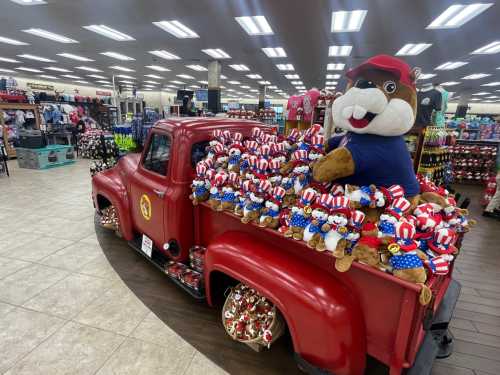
[(477, 108)]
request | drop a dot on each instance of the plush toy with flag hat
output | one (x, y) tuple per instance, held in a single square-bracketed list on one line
[(410, 267), (405, 236), (317, 148), (440, 265), (392, 192), (234, 157), (390, 217), (271, 212), (315, 231), (255, 203), (300, 214), (229, 195), (356, 222), (336, 238), (443, 241), (215, 198), (200, 186)]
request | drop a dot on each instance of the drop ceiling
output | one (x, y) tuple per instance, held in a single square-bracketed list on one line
[(301, 27)]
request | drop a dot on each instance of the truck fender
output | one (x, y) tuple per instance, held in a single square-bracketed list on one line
[(109, 185), (324, 318)]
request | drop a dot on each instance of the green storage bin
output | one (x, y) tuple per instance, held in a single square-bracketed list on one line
[(47, 157)]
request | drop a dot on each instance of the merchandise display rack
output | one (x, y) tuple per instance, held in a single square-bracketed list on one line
[(475, 161), (434, 159), (9, 148)]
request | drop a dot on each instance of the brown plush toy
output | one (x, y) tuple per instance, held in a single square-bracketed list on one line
[(378, 107)]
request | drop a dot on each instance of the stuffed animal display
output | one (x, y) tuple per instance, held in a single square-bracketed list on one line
[(374, 225)]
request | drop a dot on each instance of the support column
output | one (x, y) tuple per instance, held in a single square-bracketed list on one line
[(262, 96), (214, 71)]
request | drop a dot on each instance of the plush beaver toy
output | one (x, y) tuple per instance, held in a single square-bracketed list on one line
[(378, 107)]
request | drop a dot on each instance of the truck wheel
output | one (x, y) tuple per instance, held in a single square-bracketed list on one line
[(100, 229)]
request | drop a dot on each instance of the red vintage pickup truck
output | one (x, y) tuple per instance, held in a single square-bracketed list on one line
[(335, 319)]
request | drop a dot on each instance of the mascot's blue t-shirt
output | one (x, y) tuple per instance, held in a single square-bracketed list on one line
[(378, 160)]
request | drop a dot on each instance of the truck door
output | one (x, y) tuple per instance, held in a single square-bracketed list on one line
[(149, 185)]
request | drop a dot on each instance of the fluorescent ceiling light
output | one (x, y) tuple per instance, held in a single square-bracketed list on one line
[(157, 68), (146, 89), (178, 82), (177, 29), (253, 90), (426, 76), (240, 67), (6, 70), (330, 87), (109, 32), (185, 76), (450, 65), (413, 49), (121, 68), (475, 99), (297, 83), (492, 84), (164, 55), (254, 76), (451, 83), (488, 49), (13, 42), (106, 82), (333, 76), (71, 76), (56, 69), (492, 97), (287, 67), (216, 53), (245, 87), (264, 83), (457, 15), (46, 76), (476, 76), (255, 25), (88, 69), (482, 93), (153, 76), (274, 52), (300, 87), (29, 69), (117, 56), (198, 68), (292, 76), (230, 90), (29, 2), (125, 81), (74, 57), (96, 76), (124, 76), (194, 86), (330, 83), (273, 87), (174, 87), (339, 50), (149, 86), (153, 82), (222, 76), (234, 82), (36, 58), (81, 81), (344, 21), (203, 82), (5, 59), (50, 35), (332, 66)]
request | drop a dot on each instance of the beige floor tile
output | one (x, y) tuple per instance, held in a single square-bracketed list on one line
[(73, 257), (69, 296), (21, 331), (37, 249), (14, 238), (100, 267), (74, 349), (5, 308), (203, 365), (24, 284), (9, 266), (117, 310), (136, 357)]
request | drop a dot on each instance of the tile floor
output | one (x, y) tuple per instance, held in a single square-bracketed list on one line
[(75, 302)]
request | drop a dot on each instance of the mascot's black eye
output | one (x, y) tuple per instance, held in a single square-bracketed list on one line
[(390, 87), (364, 84)]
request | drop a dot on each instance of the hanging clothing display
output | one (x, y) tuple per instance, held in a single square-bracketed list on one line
[(428, 100)]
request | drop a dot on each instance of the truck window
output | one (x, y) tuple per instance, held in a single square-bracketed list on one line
[(198, 152), (158, 154)]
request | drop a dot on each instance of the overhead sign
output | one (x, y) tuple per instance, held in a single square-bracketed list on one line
[(39, 86), (103, 93)]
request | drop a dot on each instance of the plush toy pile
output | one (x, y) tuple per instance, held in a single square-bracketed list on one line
[(109, 218), (267, 180)]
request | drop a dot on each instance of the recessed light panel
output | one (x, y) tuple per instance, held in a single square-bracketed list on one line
[(297, 83), (332, 66), (203, 82), (56, 69), (457, 15), (333, 76), (198, 68), (286, 67), (185, 76), (234, 82), (274, 52), (47, 76), (451, 83), (255, 25), (121, 68), (74, 57), (29, 2), (88, 69), (339, 50), (492, 84), (50, 35), (292, 76), (108, 32), (264, 83), (117, 56), (216, 53), (488, 49), (331, 83), (157, 68), (71, 76), (482, 93), (177, 29), (7, 60), (239, 67), (178, 82), (425, 76), (96, 76), (13, 42), (300, 87), (450, 65), (153, 76), (125, 81), (165, 55), (105, 82), (153, 82), (82, 82), (32, 70), (36, 58), (2, 70), (254, 76), (476, 76), (124, 76), (347, 21), (413, 49)]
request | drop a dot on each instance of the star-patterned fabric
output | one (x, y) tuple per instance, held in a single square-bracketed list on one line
[(405, 262)]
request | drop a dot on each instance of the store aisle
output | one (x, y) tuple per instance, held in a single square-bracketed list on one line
[(76, 301)]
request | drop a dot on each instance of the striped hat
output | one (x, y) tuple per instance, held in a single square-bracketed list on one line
[(324, 201), (443, 241), (237, 137), (201, 169), (439, 265), (247, 186), (300, 155), (234, 178), (399, 207), (357, 218), (265, 150), (294, 135), (277, 195), (262, 166), (405, 234), (423, 209), (256, 133), (252, 146), (264, 186), (392, 192), (337, 189), (220, 178), (341, 205), (307, 197), (275, 165)]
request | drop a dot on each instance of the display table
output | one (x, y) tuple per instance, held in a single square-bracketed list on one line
[(46, 157)]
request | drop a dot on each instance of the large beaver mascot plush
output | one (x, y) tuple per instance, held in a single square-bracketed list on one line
[(378, 107)]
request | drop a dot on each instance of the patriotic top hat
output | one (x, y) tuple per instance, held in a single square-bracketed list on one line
[(217, 134), (405, 234), (439, 265), (261, 167), (210, 174), (300, 155), (337, 189), (425, 225), (234, 179), (201, 169), (265, 150), (294, 135), (226, 134), (275, 165), (405, 262), (218, 148), (307, 197), (443, 241), (264, 186), (237, 137), (356, 220), (399, 207), (252, 161), (312, 131), (252, 146), (277, 195), (392, 192), (247, 186), (220, 178), (256, 133), (325, 202), (423, 209), (341, 205), (317, 141), (411, 219)]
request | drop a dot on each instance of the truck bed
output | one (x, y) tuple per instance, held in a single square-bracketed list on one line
[(393, 316)]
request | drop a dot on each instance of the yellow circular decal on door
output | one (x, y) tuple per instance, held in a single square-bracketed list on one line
[(145, 204)]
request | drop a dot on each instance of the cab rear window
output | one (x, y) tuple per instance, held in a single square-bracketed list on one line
[(198, 151), (158, 154)]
